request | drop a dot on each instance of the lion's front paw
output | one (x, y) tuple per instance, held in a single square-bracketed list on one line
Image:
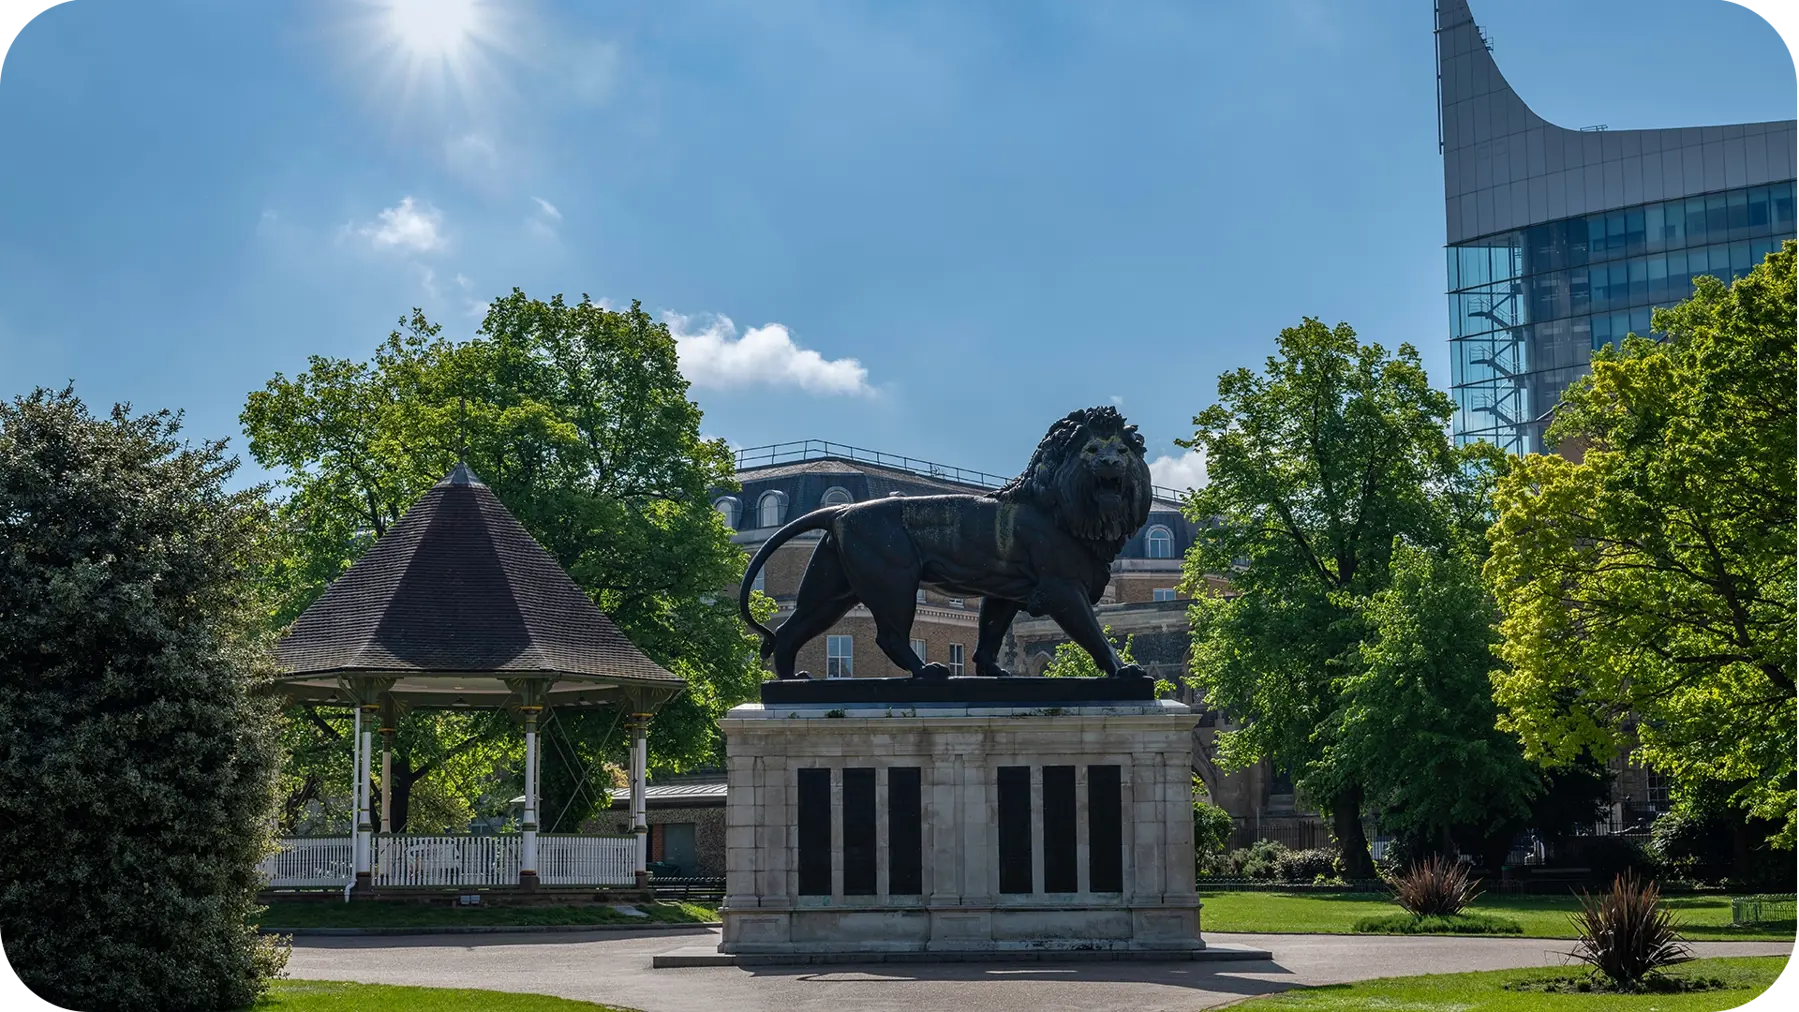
[(797, 675), (934, 672), (1130, 671), (994, 671)]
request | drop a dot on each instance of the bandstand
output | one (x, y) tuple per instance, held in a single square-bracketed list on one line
[(457, 607)]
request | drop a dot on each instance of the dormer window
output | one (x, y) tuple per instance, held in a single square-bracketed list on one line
[(836, 496), (727, 507), (771, 509), (1158, 542)]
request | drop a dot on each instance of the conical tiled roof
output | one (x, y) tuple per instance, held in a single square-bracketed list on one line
[(458, 586)]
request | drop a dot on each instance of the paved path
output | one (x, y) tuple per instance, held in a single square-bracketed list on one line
[(614, 968)]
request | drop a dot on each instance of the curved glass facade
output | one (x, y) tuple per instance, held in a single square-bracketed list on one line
[(1561, 241), (1528, 307)]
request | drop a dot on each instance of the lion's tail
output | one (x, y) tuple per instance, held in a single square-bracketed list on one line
[(817, 520)]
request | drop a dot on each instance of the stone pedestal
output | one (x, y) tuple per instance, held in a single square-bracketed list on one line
[(992, 828)]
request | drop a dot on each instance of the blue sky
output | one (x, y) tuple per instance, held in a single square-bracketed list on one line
[(923, 228)]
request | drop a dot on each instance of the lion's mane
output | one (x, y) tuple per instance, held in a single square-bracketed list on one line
[(1055, 481)]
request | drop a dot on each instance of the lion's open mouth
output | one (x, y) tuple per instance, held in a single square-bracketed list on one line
[(1110, 487)]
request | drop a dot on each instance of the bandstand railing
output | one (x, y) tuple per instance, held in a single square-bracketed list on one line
[(406, 859), (566, 859), (309, 861)]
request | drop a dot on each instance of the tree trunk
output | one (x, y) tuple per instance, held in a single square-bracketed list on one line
[(1346, 827), (404, 778), (1739, 848), (295, 803)]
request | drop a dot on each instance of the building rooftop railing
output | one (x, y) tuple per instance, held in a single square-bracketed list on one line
[(820, 449)]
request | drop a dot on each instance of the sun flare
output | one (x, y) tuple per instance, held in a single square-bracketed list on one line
[(428, 29), (432, 61)]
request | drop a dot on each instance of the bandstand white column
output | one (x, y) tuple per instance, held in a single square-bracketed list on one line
[(387, 779), (527, 873), (364, 729), (640, 766), (359, 844)]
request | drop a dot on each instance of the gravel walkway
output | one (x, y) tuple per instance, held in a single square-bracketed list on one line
[(614, 968)]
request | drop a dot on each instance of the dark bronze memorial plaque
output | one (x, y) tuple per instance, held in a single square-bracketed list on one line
[(1059, 864), (815, 832), (1015, 865), (905, 832), (1105, 830), (859, 831)]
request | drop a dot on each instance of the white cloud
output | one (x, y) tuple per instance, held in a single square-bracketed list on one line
[(476, 308), (590, 71), (714, 357), (407, 226), (476, 159), (542, 222), (1180, 473)]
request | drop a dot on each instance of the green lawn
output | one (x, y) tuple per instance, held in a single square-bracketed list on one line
[(336, 996), (285, 915), (1702, 918), (1744, 978)]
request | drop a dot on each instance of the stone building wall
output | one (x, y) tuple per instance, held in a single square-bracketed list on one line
[(708, 823)]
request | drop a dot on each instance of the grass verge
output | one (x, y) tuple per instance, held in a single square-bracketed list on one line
[(339, 996), (1741, 978), (1702, 918), (287, 915), (1403, 923)]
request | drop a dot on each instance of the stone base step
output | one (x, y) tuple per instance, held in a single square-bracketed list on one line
[(707, 955)]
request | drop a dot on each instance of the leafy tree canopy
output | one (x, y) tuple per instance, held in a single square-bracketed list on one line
[(1317, 466), (578, 418), (1415, 724), (137, 762), (1646, 579)]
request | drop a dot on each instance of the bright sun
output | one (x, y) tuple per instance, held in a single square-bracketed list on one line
[(432, 57), (434, 29)]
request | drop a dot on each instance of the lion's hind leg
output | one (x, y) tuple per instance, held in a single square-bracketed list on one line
[(824, 597)]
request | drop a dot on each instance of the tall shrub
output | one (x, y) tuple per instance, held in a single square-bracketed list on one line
[(1627, 933), (136, 763), (1435, 887)]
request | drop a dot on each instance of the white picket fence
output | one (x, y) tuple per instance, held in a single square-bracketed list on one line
[(309, 861), (406, 859), (565, 859)]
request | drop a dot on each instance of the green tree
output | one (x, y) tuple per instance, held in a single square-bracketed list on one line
[(1212, 827), (1415, 723), (578, 418), (1314, 468), (1646, 581), (137, 762), (1070, 661)]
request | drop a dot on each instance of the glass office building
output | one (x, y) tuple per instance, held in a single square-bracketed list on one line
[(1561, 241)]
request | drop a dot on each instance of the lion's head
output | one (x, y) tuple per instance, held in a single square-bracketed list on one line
[(1090, 472)]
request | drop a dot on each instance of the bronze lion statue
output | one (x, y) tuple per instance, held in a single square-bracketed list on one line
[(1043, 543)]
